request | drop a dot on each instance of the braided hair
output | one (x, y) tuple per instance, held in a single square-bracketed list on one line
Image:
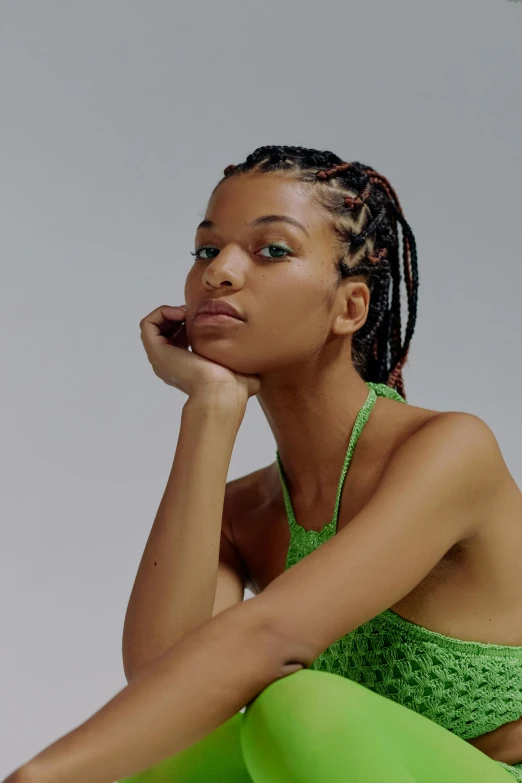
[(364, 211)]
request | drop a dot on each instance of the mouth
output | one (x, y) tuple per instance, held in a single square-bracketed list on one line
[(219, 307), (218, 319)]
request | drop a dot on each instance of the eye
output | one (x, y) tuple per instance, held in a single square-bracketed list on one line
[(276, 246), (198, 250), (272, 245)]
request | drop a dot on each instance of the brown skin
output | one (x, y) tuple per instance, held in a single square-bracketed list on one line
[(297, 339), (297, 333)]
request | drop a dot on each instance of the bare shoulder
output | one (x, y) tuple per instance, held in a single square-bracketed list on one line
[(503, 498), (454, 427), (455, 444), (467, 444), (472, 436), (468, 438)]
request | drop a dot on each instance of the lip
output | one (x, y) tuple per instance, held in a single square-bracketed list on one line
[(218, 307), (218, 319)]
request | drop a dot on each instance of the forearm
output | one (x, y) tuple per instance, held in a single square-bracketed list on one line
[(175, 585), (192, 689)]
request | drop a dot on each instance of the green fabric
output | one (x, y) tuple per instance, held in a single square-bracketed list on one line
[(390, 702), (469, 688), (316, 727)]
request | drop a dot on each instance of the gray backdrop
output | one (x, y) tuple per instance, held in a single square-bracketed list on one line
[(118, 119)]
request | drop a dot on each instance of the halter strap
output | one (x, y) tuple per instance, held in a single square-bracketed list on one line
[(303, 541)]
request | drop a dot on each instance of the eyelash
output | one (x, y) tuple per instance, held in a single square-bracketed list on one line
[(270, 244)]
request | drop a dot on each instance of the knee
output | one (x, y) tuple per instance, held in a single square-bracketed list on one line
[(306, 684), (307, 698)]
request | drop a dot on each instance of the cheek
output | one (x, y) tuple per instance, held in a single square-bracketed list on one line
[(292, 312), (295, 293), (193, 279)]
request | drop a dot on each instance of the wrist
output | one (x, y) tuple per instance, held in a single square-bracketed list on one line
[(223, 403)]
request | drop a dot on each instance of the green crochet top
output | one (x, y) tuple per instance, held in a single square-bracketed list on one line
[(470, 688)]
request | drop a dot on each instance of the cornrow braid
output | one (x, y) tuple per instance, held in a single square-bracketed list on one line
[(366, 212)]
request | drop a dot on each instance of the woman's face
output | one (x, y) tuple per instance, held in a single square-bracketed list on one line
[(281, 277)]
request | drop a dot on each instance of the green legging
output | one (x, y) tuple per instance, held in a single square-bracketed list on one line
[(317, 727)]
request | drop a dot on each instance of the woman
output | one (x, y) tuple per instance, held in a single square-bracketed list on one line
[(382, 643)]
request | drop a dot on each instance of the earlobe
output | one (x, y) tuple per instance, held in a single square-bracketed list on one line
[(345, 325)]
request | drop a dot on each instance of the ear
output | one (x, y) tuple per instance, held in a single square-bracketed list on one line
[(354, 303)]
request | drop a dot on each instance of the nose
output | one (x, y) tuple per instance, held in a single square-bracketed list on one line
[(224, 268)]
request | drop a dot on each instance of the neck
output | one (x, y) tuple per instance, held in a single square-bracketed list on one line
[(311, 415)]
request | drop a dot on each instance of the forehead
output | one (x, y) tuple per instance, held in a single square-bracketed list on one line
[(245, 197)]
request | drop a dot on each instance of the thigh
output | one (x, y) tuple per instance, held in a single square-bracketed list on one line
[(217, 758), (312, 726)]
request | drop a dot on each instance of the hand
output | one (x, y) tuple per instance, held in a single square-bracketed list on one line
[(164, 337), (502, 744)]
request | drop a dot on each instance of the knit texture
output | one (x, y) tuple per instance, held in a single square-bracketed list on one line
[(469, 688)]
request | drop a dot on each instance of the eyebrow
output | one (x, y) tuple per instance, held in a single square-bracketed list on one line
[(262, 221)]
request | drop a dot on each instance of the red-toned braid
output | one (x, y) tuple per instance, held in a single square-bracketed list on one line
[(373, 251), (409, 256)]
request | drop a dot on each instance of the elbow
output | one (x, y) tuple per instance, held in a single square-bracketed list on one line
[(285, 658), (291, 655), (284, 653)]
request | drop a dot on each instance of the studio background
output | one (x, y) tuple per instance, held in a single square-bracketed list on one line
[(118, 120)]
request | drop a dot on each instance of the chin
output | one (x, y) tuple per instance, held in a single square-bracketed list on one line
[(228, 357)]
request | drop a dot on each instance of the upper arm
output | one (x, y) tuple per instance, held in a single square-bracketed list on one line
[(232, 574), (436, 487)]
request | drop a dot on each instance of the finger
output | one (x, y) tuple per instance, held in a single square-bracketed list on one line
[(171, 329), (174, 307), (153, 324), (157, 315), (180, 339)]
